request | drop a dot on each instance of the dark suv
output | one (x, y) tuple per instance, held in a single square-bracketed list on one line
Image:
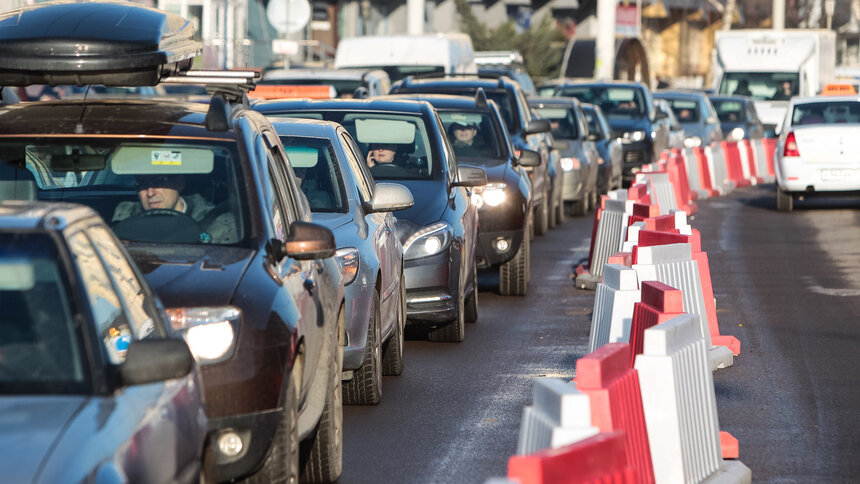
[(205, 201), (526, 131), (629, 106), (479, 137)]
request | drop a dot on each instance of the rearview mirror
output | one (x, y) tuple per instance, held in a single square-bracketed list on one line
[(389, 197), (529, 158), (155, 360), (538, 126), (309, 241), (470, 176)]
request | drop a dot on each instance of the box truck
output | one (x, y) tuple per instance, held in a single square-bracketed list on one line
[(771, 66)]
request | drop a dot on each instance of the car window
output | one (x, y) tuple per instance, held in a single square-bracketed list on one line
[(507, 108), (729, 111), (112, 327), (594, 123), (404, 135), (363, 178), (829, 112), (761, 86), (139, 307), (472, 135), (686, 110), (562, 121), (317, 172), (615, 101), (40, 348)]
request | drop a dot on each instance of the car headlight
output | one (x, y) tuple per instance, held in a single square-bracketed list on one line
[(347, 259), (569, 164), (634, 135), (210, 332), (737, 134), (693, 142), (428, 241), (491, 195)]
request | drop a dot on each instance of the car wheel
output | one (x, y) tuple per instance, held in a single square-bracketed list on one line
[(471, 305), (325, 461), (559, 213), (553, 217), (392, 357), (513, 274), (580, 207), (365, 388), (282, 463), (592, 202), (455, 331), (784, 200), (542, 218)]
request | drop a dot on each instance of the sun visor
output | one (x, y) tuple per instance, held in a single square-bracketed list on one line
[(384, 131), (302, 156), (110, 43), (164, 159)]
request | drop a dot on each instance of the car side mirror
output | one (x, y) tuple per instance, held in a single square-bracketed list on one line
[(389, 197), (155, 360), (660, 115), (308, 241), (594, 137), (538, 126), (470, 176), (529, 158)]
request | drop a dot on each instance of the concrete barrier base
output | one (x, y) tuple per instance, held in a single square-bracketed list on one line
[(585, 280), (730, 472), (720, 357)]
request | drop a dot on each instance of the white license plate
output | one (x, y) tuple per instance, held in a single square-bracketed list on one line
[(846, 174)]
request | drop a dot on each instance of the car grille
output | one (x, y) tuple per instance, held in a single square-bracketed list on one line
[(634, 156)]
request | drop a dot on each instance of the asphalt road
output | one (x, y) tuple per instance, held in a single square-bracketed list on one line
[(787, 285)]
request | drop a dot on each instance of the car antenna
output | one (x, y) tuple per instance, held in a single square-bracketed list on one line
[(480, 98), (79, 127)]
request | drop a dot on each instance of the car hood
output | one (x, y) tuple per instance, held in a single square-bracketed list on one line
[(623, 124), (495, 173), (29, 428), (431, 201), (185, 276)]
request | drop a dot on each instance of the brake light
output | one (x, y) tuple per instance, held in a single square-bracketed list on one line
[(790, 146)]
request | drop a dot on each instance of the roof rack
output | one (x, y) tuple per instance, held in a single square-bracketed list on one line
[(233, 85)]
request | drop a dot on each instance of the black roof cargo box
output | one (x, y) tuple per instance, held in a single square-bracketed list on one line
[(111, 43)]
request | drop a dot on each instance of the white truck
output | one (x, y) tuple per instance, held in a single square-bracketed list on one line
[(772, 66), (404, 55)]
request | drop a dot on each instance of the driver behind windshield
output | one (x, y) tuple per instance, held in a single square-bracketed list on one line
[(162, 192)]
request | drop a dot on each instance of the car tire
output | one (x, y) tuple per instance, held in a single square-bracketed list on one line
[(784, 200), (542, 218), (325, 460), (282, 463), (392, 357), (580, 207), (365, 388), (455, 331), (553, 217), (471, 305), (514, 274), (559, 213)]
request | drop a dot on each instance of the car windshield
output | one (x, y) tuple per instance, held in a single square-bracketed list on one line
[(147, 189), (593, 122), (686, 110), (832, 112), (562, 121), (761, 86), (616, 102), (315, 164), (40, 351), (395, 146), (473, 136), (729, 111)]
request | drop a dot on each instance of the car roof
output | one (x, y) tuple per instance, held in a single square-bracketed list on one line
[(21, 214), (679, 95), (108, 117), (465, 82), (569, 83), (370, 104), (555, 101), (819, 99), (742, 99), (443, 101)]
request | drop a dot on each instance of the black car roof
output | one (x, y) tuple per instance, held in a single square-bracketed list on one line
[(679, 95), (553, 101), (742, 99), (456, 83), (20, 214), (601, 84), (443, 101), (107, 117), (370, 104)]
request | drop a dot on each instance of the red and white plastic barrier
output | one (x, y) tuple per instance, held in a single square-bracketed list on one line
[(559, 415), (598, 459), (610, 227), (658, 303), (614, 300)]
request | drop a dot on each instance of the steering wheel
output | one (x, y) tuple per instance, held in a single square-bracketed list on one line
[(160, 225), (388, 170)]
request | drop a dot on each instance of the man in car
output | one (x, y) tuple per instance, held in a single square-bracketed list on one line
[(161, 192), (463, 136), (381, 153), (784, 92)]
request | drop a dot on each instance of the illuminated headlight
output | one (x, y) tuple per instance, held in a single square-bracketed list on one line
[(693, 142), (502, 245), (210, 332), (230, 444), (428, 241), (347, 259), (569, 164), (653, 134), (737, 134), (634, 135), (493, 194)]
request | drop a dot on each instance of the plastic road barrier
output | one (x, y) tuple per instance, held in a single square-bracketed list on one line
[(694, 178), (705, 177), (612, 386), (680, 183), (748, 158), (641, 211), (613, 306), (639, 193), (769, 154), (658, 303), (660, 189), (761, 160), (611, 225), (681, 408), (598, 459), (560, 414), (673, 264), (717, 166), (732, 158)]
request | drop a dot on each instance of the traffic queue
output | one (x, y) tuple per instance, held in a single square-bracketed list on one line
[(193, 287)]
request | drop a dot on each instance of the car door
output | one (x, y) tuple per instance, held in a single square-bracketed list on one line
[(460, 201)]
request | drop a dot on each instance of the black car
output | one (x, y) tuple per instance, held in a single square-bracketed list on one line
[(738, 117), (629, 106), (205, 202), (439, 232), (479, 137), (609, 175), (526, 131)]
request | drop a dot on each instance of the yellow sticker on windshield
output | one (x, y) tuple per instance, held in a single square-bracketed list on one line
[(166, 157)]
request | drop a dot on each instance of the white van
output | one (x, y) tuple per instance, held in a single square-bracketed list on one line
[(404, 55)]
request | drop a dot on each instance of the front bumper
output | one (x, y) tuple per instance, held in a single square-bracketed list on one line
[(573, 183), (256, 430), (430, 288), (634, 154), (488, 255), (795, 175)]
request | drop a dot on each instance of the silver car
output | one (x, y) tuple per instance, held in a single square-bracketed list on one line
[(92, 385), (696, 115), (676, 131), (343, 197)]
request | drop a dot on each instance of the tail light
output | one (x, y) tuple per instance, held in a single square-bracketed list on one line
[(790, 146)]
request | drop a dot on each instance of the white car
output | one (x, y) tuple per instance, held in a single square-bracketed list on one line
[(818, 149)]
